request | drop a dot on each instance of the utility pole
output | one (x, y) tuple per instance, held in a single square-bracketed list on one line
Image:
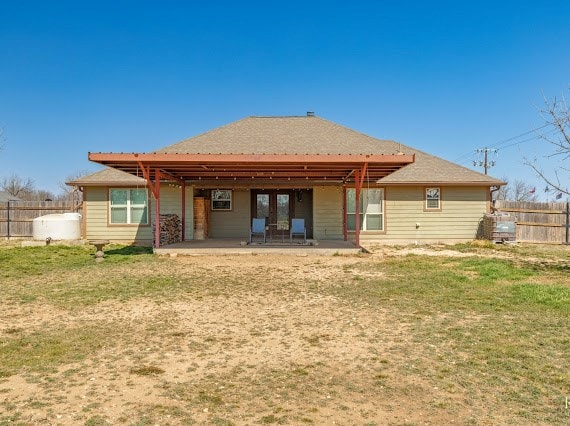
[(485, 163)]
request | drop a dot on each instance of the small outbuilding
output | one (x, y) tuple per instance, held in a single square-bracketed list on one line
[(6, 196)]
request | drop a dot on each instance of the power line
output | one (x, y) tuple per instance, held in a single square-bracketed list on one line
[(486, 163), (499, 143), (529, 139)]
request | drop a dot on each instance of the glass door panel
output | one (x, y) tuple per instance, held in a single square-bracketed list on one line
[(262, 204), (283, 211)]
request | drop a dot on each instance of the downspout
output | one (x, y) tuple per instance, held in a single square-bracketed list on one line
[(491, 201)]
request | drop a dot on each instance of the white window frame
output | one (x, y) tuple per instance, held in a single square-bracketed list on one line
[(429, 194), (220, 197), (364, 211), (129, 206)]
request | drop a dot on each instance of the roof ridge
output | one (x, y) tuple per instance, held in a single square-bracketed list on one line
[(282, 116)]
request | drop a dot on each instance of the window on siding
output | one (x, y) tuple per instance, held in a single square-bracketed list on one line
[(128, 206), (221, 199), (371, 209), (433, 198)]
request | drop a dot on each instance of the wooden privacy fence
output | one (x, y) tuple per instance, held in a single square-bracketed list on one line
[(539, 222), (16, 217)]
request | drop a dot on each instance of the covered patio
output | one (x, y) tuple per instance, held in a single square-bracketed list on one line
[(255, 171), (223, 246)]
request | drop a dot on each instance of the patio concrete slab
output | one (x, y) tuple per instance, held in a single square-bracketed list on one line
[(240, 247)]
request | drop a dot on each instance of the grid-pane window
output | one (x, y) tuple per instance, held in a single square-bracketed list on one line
[(371, 209), (433, 198), (221, 199), (128, 206)]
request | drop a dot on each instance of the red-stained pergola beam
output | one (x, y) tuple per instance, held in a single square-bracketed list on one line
[(327, 173), (157, 159)]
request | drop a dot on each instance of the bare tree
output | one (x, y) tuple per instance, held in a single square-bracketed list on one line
[(66, 189), (41, 195), (517, 190), (71, 192), (17, 186), (557, 116)]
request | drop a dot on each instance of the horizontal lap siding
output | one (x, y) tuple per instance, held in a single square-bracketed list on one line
[(234, 223), (462, 210), (327, 213), (171, 202), (97, 215)]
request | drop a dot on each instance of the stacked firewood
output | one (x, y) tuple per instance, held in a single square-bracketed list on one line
[(170, 229)]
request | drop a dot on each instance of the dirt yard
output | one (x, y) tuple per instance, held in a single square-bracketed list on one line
[(237, 340)]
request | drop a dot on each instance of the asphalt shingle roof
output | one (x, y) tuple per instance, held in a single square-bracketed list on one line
[(305, 135), (315, 135), (108, 176)]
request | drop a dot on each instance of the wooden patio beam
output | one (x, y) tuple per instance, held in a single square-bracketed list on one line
[(146, 175), (170, 176), (165, 159)]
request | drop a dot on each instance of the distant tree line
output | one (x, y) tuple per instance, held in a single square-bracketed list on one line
[(516, 190), (25, 189)]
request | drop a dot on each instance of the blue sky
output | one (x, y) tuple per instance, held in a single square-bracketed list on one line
[(446, 77)]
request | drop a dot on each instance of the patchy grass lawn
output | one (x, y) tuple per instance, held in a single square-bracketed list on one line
[(468, 334)]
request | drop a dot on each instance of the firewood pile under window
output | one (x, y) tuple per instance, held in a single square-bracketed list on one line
[(170, 229)]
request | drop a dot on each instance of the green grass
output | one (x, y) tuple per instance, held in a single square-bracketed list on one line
[(42, 351), (490, 332), (69, 277), (493, 323), (23, 262)]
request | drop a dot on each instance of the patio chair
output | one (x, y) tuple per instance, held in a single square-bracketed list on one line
[(298, 228), (257, 228)]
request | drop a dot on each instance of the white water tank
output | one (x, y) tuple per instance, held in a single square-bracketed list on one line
[(62, 226)]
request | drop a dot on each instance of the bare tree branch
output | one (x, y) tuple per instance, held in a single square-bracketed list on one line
[(17, 186), (518, 190), (2, 138), (557, 115)]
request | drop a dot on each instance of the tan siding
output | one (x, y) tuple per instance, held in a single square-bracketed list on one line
[(327, 213), (97, 209), (97, 215), (234, 223), (462, 210), (171, 202)]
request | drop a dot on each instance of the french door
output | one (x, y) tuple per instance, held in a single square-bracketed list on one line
[(276, 206)]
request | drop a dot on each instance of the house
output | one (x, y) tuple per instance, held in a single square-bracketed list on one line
[(6, 196), (282, 168)]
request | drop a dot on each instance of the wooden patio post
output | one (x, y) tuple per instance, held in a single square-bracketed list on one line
[(344, 214), (157, 208), (183, 210), (358, 187), (359, 181)]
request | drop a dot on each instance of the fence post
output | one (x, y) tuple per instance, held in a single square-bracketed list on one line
[(567, 222), (8, 220)]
